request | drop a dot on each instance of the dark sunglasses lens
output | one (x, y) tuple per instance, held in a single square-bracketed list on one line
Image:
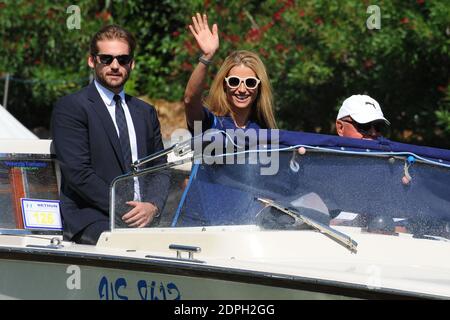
[(251, 83), (124, 59), (105, 58), (364, 126), (234, 82), (381, 127), (377, 126), (108, 59)]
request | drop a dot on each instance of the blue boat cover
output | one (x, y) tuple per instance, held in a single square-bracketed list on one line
[(291, 138)]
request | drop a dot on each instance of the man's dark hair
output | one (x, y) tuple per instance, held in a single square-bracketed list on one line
[(112, 32)]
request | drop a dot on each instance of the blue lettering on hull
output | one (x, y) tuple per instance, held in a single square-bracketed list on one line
[(145, 290)]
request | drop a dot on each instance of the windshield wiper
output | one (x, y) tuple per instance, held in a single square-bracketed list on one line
[(337, 236)]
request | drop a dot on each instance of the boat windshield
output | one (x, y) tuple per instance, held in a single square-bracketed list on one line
[(29, 193), (382, 193)]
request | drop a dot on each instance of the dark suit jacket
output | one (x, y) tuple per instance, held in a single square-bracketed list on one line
[(88, 151)]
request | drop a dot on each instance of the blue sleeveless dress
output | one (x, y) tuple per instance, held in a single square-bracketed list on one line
[(211, 121), (194, 205)]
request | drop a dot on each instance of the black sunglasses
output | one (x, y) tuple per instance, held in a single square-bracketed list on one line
[(379, 126), (107, 59)]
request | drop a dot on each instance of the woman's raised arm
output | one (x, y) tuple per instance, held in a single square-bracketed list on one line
[(208, 42)]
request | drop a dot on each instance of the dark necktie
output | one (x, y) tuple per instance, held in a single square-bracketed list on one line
[(123, 133)]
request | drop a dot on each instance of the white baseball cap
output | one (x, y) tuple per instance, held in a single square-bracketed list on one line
[(362, 109)]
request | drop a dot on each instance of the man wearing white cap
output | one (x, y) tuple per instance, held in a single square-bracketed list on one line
[(360, 117)]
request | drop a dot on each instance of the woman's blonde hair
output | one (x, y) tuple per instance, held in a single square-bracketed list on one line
[(262, 108)]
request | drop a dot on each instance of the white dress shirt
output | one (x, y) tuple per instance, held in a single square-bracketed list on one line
[(108, 98)]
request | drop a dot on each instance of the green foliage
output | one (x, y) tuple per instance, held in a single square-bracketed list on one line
[(155, 25), (443, 114), (44, 57), (317, 53)]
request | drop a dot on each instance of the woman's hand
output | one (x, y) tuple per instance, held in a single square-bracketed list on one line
[(207, 41)]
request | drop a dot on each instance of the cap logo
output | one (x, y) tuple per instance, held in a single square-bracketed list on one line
[(373, 105)]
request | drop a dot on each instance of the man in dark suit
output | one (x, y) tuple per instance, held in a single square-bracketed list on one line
[(97, 133)]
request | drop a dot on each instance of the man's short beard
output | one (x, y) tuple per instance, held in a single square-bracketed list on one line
[(103, 82)]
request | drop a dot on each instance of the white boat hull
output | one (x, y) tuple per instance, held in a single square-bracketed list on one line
[(31, 269), (44, 280)]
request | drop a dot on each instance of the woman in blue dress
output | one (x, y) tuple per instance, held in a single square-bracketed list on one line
[(240, 95)]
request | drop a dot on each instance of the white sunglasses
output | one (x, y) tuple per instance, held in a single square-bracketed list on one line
[(250, 82)]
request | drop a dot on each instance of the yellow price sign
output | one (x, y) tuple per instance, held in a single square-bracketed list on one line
[(44, 218)]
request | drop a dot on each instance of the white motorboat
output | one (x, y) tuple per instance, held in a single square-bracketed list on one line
[(331, 223)]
